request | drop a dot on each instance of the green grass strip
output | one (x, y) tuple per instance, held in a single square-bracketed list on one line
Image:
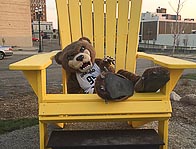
[(11, 125), (189, 76)]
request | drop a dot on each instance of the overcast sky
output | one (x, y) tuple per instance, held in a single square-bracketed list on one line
[(188, 11)]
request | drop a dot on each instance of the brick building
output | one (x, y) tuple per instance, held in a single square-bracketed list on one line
[(45, 27), (15, 23), (38, 4)]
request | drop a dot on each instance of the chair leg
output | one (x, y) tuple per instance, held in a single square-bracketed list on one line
[(43, 134), (163, 132)]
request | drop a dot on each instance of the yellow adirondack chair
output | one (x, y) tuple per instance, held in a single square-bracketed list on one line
[(113, 26)]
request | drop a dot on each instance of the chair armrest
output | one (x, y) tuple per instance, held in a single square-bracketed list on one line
[(166, 61), (35, 62)]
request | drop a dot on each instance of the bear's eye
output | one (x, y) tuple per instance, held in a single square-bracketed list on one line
[(70, 57), (82, 49)]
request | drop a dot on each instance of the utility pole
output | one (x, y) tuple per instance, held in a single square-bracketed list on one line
[(38, 12)]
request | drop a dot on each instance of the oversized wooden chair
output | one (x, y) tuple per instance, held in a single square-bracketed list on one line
[(113, 26)]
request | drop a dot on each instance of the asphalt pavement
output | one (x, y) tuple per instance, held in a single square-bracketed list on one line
[(49, 45)]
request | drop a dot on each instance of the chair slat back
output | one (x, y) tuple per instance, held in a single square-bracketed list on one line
[(112, 26)]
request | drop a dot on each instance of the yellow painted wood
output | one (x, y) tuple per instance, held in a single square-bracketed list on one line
[(95, 98), (134, 27), (64, 28), (37, 80), (61, 125), (63, 22), (98, 6), (122, 32), (163, 132), (75, 19), (43, 135), (102, 108), (41, 85), (64, 81), (168, 62), (106, 117), (31, 76), (136, 124), (175, 75), (87, 25), (111, 27), (36, 62)]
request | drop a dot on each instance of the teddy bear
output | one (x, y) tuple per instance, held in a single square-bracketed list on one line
[(87, 74), (81, 66)]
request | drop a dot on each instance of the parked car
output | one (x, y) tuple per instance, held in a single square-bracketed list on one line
[(35, 39), (5, 51), (46, 37)]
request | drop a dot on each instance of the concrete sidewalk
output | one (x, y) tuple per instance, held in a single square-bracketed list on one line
[(47, 46), (27, 51)]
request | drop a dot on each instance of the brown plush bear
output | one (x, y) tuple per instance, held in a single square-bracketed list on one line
[(82, 68), (88, 74)]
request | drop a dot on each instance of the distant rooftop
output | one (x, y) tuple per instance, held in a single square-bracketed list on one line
[(160, 14)]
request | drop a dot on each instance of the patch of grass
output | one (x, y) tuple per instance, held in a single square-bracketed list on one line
[(11, 125), (189, 76)]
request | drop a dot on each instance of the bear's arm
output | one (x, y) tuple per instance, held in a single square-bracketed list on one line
[(104, 65), (73, 86)]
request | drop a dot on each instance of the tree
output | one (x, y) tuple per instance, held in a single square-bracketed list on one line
[(176, 29)]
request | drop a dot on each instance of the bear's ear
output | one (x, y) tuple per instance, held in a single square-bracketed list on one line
[(85, 39), (59, 57)]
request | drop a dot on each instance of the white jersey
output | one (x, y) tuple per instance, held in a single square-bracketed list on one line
[(87, 79)]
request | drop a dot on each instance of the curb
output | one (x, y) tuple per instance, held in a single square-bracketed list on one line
[(25, 52)]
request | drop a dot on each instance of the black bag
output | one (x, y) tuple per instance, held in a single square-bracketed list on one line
[(113, 87), (152, 79)]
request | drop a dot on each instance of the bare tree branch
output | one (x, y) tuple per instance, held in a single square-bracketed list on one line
[(176, 30), (172, 7)]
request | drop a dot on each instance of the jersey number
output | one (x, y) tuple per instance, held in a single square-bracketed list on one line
[(91, 79)]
